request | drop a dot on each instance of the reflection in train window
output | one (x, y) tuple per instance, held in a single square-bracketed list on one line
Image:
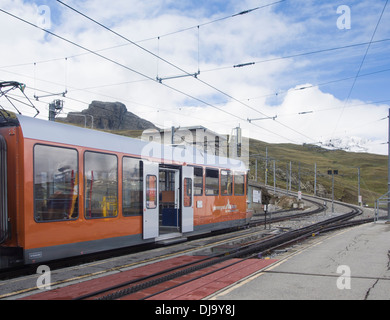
[(212, 182), (187, 201), (198, 181), (132, 187), (101, 185), (151, 191), (55, 183), (226, 183), (239, 184)]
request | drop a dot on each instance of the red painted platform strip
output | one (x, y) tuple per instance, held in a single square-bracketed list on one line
[(194, 290), (89, 286), (209, 284)]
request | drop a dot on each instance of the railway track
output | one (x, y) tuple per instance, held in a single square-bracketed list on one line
[(245, 251), (318, 208), (25, 270)]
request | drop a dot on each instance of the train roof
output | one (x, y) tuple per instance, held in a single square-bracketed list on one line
[(54, 132)]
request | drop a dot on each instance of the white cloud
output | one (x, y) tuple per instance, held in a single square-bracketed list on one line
[(269, 88)]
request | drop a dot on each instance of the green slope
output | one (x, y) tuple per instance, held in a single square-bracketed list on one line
[(373, 170)]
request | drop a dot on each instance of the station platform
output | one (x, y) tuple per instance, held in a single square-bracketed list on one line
[(209, 280), (351, 264)]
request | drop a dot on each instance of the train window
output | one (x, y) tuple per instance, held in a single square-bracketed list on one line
[(132, 187), (198, 181), (187, 192), (101, 185), (55, 183), (239, 184), (151, 191), (226, 183), (212, 182)]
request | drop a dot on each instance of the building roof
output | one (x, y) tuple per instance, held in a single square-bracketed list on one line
[(49, 131), (190, 128)]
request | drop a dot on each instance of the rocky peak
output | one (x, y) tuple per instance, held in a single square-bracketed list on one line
[(108, 116)]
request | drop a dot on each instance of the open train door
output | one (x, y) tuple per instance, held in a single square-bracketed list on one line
[(151, 209), (187, 204)]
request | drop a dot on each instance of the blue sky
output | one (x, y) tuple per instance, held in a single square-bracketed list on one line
[(346, 88)]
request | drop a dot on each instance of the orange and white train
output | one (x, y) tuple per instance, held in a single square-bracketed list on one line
[(68, 191)]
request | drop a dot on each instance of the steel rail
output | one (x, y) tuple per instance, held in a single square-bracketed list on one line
[(247, 250)]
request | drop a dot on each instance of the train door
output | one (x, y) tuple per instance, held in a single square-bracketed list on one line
[(151, 201), (187, 196), (169, 188)]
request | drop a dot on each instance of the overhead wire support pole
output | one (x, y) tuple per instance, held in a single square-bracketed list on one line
[(332, 191), (274, 177), (315, 179), (359, 196), (333, 172), (388, 173), (266, 166)]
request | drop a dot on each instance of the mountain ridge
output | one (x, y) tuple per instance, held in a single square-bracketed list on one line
[(107, 116)]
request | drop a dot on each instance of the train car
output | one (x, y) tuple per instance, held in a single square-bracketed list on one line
[(68, 191)]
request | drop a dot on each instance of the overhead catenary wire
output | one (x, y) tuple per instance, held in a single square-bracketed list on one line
[(361, 65), (234, 66), (139, 73), (147, 79), (216, 20), (113, 61), (195, 75), (48, 93), (185, 73), (296, 55), (319, 84), (71, 89)]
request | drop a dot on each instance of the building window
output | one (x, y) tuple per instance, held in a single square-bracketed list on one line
[(55, 183), (212, 182), (101, 185), (226, 183), (132, 187)]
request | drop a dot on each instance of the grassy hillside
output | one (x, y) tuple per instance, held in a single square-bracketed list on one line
[(373, 170)]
